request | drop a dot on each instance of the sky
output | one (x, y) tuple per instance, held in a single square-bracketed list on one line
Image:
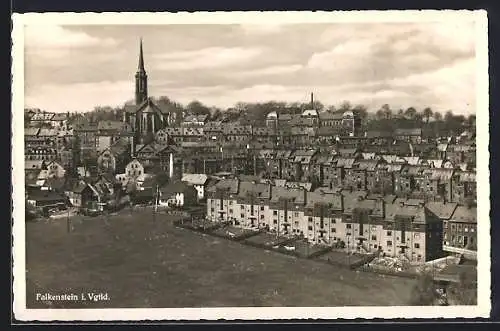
[(78, 67)]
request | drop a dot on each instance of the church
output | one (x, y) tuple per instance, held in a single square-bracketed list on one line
[(145, 116)]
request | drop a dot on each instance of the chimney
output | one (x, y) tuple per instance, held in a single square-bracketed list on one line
[(383, 207), (312, 100), (341, 201)]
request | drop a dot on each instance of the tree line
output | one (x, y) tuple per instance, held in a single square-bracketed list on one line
[(384, 118)]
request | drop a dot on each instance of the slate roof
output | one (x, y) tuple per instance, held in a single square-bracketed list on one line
[(147, 105), (327, 115), (260, 190), (408, 132), (195, 179), (442, 210), (60, 117), (31, 131), (463, 214), (368, 165)]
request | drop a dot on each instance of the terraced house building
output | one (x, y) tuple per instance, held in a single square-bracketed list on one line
[(350, 219)]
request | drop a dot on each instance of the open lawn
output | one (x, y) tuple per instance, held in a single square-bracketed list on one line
[(143, 263)]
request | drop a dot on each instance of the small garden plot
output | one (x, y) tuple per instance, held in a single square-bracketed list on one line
[(234, 233), (341, 258), (267, 240), (198, 224), (300, 248)]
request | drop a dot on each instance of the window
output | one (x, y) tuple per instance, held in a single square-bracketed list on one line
[(212, 210), (416, 236), (334, 220), (261, 217), (275, 221), (417, 245), (295, 214), (242, 215), (230, 211), (309, 219), (262, 208), (310, 227), (334, 230), (389, 243), (374, 237), (348, 226), (275, 212), (389, 233), (466, 229), (242, 207)]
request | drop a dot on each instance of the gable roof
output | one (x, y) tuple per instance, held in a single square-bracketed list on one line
[(408, 132), (31, 131), (148, 105), (442, 210), (34, 164), (465, 215), (195, 179)]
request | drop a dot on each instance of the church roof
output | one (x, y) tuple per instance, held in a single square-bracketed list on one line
[(148, 106)]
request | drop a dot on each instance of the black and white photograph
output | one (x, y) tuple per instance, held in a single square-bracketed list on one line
[(250, 165)]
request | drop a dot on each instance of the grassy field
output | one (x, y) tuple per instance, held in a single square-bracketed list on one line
[(143, 263)]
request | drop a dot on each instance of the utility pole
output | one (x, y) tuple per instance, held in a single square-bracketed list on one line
[(68, 222)]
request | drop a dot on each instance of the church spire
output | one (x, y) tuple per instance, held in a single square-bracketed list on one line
[(141, 79), (141, 58)]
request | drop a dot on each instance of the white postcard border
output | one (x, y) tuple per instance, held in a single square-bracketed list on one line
[(249, 313)]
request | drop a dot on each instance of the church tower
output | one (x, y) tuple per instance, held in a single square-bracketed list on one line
[(141, 80)]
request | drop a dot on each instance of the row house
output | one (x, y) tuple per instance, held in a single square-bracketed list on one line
[(413, 136), (265, 135), (49, 119), (379, 137), (382, 181), (285, 138), (285, 211), (395, 228), (249, 209), (302, 136), (327, 135), (195, 120), (237, 133), (335, 172), (174, 135), (302, 162), (460, 232), (435, 185), (464, 188), (405, 180), (41, 152), (221, 199), (193, 134), (323, 160), (323, 213), (213, 131), (461, 154), (278, 163)]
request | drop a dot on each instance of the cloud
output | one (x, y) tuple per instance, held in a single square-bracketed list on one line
[(212, 57), (79, 96), (259, 29), (403, 65), (54, 36), (270, 71)]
